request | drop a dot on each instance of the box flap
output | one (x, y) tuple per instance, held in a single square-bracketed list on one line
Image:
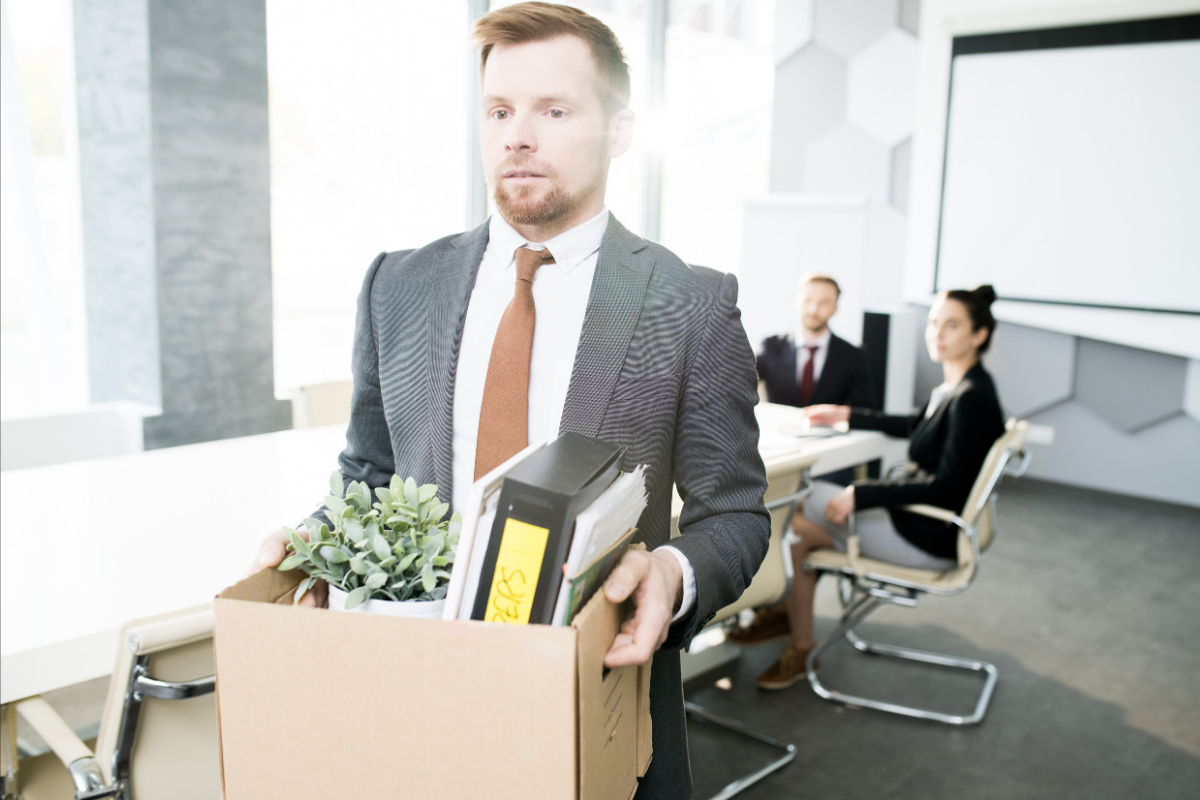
[(608, 708), (266, 586)]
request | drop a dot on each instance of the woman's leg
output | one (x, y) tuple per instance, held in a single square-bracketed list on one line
[(799, 601), (791, 666)]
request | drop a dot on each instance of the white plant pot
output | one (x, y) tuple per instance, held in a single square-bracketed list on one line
[(421, 609)]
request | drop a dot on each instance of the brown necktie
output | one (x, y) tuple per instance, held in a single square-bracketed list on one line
[(504, 415)]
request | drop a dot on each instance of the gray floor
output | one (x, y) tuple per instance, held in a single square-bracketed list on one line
[(1088, 604)]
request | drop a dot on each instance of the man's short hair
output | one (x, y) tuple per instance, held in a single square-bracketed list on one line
[(816, 277), (539, 22)]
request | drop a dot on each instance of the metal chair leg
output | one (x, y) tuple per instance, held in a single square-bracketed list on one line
[(746, 781), (850, 619)]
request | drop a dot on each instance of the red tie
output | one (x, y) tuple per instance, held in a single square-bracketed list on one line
[(806, 377)]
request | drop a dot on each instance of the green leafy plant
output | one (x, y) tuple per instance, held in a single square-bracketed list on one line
[(399, 547)]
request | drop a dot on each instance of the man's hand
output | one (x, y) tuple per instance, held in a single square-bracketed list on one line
[(271, 554), (827, 415), (654, 580), (840, 507)]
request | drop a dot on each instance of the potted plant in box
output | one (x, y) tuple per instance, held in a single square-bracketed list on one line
[(391, 556)]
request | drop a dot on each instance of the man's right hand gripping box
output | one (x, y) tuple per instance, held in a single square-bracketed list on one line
[(316, 704)]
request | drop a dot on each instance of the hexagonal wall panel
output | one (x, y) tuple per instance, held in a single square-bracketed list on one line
[(883, 87), (1131, 389), (1033, 369), (910, 16), (846, 160), (847, 26), (1191, 392), (793, 27), (901, 175), (810, 99)]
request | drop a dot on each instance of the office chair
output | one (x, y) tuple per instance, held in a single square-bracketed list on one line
[(158, 733), (787, 484), (866, 584), (322, 404)]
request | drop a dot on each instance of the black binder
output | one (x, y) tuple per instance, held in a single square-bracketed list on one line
[(539, 500)]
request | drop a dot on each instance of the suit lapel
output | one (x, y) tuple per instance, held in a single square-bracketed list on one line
[(934, 421), (451, 279), (614, 305), (791, 387)]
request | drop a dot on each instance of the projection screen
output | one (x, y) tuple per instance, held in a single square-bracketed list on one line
[(1072, 170)]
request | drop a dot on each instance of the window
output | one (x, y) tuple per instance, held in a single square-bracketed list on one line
[(369, 127), (715, 135)]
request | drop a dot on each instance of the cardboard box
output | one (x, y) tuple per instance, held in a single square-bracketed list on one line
[(316, 704)]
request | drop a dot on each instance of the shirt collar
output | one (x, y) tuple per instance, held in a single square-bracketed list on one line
[(821, 341), (570, 247)]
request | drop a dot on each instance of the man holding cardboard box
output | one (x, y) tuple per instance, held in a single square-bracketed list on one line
[(552, 317)]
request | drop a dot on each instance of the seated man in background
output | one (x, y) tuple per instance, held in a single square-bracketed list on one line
[(815, 367)]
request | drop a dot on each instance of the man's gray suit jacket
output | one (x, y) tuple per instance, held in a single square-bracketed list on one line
[(663, 369)]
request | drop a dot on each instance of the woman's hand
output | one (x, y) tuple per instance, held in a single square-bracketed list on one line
[(840, 507), (827, 415)]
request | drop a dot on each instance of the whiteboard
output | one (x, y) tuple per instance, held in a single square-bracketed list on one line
[(1073, 176)]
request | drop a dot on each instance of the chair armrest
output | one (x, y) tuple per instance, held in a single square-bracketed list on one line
[(945, 515), (806, 488), (42, 717), (71, 751)]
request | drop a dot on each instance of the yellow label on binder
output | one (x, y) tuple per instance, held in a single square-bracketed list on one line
[(518, 565)]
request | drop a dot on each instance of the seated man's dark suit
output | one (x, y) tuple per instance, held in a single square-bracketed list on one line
[(844, 379), (663, 369)]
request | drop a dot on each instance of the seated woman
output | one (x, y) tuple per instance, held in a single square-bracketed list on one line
[(949, 440)]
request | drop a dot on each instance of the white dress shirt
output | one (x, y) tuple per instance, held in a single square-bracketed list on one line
[(560, 296), (819, 356)]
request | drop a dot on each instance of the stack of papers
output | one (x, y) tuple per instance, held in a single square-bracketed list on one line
[(603, 532)]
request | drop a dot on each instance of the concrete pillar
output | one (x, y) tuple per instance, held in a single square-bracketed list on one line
[(112, 57), (208, 207)]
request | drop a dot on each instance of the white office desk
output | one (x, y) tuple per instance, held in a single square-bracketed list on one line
[(835, 452), (91, 545), (782, 453)]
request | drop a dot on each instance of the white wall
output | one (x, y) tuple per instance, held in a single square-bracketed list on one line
[(787, 235), (1145, 442), (830, 126)]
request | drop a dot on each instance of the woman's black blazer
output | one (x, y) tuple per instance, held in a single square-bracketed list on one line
[(949, 448)]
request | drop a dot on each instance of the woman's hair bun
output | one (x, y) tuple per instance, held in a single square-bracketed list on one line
[(985, 293)]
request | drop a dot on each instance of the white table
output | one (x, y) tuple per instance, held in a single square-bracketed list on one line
[(836, 452), (91, 545)]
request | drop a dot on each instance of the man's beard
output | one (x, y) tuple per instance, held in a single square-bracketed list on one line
[(518, 208)]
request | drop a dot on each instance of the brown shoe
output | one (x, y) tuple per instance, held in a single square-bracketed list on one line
[(769, 624), (789, 669)]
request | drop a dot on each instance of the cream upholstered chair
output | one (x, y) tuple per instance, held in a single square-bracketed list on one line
[(866, 584), (787, 484), (158, 733), (322, 404)]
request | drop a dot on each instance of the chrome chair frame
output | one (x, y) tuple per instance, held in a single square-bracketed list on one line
[(85, 772), (701, 714), (141, 686), (861, 594)]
